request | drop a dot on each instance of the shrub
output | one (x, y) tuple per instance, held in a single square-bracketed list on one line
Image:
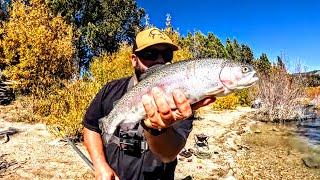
[(313, 92), (280, 94), (244, 97), (64, 107), (37, 49), (108, 67), (227, 102)]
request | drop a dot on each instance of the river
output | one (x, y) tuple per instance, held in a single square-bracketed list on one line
[(309, 129)]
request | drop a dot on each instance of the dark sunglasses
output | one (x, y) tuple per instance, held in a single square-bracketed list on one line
[(153, 54)]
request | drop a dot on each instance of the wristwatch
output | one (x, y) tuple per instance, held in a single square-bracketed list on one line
[(152, 131)]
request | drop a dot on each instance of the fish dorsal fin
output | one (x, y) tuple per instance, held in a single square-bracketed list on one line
[(151, 70)]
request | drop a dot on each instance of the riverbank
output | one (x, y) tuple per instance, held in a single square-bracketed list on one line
[(242, 148), (239, 148), (275, 152)]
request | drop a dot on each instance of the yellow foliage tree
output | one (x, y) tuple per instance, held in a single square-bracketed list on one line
[(37, 47), (183, 53), (108, 67)]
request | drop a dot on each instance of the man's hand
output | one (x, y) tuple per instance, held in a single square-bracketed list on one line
[(159, 112), (94, 145), (105, 173)]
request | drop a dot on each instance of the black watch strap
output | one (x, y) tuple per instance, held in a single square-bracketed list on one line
[(154, 132)]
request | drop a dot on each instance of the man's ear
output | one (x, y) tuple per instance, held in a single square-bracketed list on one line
[(134, 60)]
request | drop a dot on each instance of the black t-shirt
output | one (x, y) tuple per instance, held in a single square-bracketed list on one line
[(146, 166)]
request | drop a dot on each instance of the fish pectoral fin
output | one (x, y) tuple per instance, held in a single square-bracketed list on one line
[(215, 92), (127, 126)]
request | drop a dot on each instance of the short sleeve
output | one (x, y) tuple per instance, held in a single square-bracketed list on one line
[(94, 112)]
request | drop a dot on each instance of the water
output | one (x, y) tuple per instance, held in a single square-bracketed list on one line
[(310, 129)]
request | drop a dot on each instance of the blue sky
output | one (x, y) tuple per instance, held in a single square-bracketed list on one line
[(290, 28)]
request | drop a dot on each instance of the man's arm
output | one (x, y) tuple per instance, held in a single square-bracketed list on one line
[(167, 145), (160, 115), (94, 145)]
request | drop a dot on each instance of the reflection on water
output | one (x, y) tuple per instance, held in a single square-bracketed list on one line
[(310, 129)]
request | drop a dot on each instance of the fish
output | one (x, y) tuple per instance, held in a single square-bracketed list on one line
[(197, 78)]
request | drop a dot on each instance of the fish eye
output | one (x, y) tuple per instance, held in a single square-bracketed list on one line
[(245, 69)]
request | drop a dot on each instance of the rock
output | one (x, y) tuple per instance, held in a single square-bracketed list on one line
[(257, 131), (311, 161), (191, 150), (256, 104), (230, 177), (6, 93)]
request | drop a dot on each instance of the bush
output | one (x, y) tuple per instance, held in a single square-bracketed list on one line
[(64, 107), (313, 92), (280, 94), (36, 48), (108, 67), (244, 97), (227, 102)]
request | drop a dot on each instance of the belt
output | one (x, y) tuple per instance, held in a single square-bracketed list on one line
[(124, 143)]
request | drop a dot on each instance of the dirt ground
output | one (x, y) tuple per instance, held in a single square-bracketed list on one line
[(33, 153), (235, 152)]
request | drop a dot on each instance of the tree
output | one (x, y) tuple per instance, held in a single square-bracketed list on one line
[(4, 9), (246, 55), (233, 49), (183, 53), (280, 63), (37, 47), (263, 64), (203, 46), (100, 25), (216, 47)]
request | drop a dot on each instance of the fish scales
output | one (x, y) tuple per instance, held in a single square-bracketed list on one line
[(198, 79)]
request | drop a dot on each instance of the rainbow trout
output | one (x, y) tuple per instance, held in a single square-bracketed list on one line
[(198, 79)]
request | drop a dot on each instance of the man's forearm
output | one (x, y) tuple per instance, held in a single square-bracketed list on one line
[(166, 146), (94, 145)]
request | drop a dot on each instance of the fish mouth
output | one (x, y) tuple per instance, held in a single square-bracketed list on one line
[(251, 82)]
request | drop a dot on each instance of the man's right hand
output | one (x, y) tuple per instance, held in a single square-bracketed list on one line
[(105, 173), (94, 145)]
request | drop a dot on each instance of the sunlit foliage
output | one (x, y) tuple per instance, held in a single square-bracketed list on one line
[(227, 102), (37, 47)]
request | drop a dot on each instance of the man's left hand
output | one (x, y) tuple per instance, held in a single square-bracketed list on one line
[(159, 112)]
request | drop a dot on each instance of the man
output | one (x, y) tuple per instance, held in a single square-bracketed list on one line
[(152, 153)]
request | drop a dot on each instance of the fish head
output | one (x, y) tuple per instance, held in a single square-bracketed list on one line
[(237, 76)]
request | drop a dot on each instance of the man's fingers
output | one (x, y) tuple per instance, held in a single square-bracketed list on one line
[(182, 103), (162, 105), (149, 106), (153, 117)]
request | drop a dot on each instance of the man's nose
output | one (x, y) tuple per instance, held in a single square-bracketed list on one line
[(160, 59)]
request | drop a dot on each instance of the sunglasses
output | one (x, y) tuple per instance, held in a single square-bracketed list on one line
[(153, 54)]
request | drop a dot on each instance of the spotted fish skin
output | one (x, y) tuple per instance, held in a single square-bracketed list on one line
[(198, 79)]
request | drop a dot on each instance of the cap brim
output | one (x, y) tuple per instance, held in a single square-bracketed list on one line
[(173, 47)]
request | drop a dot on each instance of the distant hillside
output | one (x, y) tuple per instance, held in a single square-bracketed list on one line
[(311, 78)]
